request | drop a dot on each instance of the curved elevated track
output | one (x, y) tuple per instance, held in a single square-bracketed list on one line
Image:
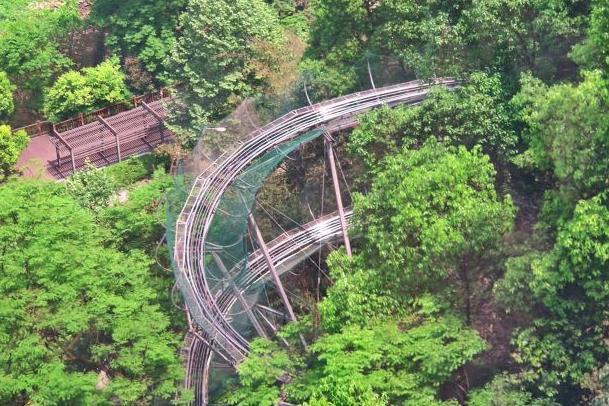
[(287, 250), (210, 310)]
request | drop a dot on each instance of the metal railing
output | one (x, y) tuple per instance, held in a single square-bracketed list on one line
[(196, 218), (287, 250), (45, 127)]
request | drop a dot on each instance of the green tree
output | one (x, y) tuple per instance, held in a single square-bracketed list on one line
[(504, 390), (446, 37), (141, 29), (138, 222), (258, 374), (11, 147), (474, 114), (405, 364), (91, 188), (567, 135), (88, 90), (213, 57), (71, 307), (391, 362), (357, 296), (30, 45), (433, 214), (7, 104), (568, 287), (593, 52)]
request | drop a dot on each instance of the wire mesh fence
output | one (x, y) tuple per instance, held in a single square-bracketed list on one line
[(221, 248)]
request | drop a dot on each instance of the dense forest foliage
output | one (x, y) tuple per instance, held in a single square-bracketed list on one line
[(480, 272)]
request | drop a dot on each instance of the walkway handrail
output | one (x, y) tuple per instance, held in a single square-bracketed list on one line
[(41, 127)]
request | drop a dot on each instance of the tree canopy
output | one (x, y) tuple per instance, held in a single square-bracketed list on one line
[(213, 56), (142, 30), (11, 146), (90, 89), (7, 105), (31, 45), (74, 309)]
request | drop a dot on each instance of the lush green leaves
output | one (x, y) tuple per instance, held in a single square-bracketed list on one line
[(570, 282), (7, 105), (357, 296), (137, 223), (399, 363), (30, 51), (503, 390), (141, 29), (376, 364), (92, 88), (91, 188), (72, 307), (474, 114), (259, 373), (567, 131), (430, 213), (11, 146), (213, 57), (447, 37)]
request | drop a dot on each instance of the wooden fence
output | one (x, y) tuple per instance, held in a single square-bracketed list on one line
[(44, 127)]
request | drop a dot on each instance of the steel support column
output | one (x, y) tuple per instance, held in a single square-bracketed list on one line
[(114, 132), (273, 271), (158, 117), (271, 265), (370, 74), (240, 298), (339, 199)]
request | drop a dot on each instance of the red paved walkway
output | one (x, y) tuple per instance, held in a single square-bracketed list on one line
[(36, 159)]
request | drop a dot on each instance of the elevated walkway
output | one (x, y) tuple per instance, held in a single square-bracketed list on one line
[(57, 151)]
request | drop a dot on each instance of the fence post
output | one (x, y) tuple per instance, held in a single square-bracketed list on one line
[(82, 119), (39, 127)]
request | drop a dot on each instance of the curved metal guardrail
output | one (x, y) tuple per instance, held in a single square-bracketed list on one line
[(197, 214), (287, 250)]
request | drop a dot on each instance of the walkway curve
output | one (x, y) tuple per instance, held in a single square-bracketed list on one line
[(196, 217)]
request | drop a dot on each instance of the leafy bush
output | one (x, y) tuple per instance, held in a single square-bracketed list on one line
[(213, 58), (11, 147), (91, 188), (91, 89), (474, 114), (138, 222), (7, 105), (71, 306), (134, 169), (30, 49), (140, 29)]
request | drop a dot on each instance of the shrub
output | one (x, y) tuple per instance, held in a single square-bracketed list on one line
[(92, 88), (11, 147)]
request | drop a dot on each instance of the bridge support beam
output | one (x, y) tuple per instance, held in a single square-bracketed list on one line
[(273, 271), (157, 116), (240, 298), (55, 134), (114, 132), (339, 199)]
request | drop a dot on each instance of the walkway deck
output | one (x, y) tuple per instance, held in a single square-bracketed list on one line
[(39, 158)]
